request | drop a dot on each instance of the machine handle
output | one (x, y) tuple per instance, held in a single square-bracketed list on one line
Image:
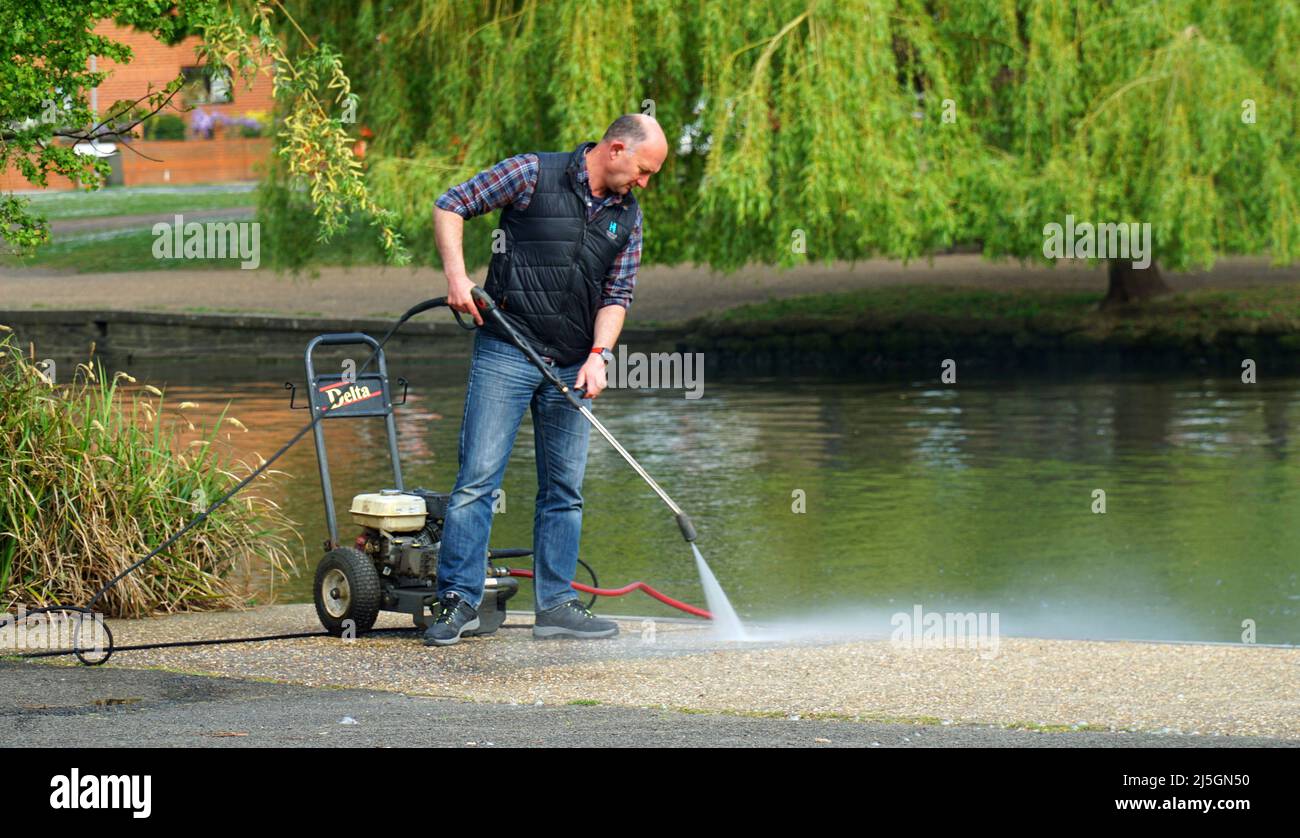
[(336, 338), (469, 327), (481, 297)]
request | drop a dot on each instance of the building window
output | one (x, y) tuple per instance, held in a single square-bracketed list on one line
[(203, 86)]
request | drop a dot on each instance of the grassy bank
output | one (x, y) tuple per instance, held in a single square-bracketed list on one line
[(75, 203), (923, 324), (95, 474), (131, 251), (111, 251)]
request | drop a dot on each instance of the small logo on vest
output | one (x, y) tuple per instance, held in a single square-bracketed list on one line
[(613, 229)]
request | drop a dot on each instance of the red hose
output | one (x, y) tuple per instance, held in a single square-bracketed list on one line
[(627, 589)]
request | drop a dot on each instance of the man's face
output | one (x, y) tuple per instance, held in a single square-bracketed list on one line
[(633, 168)]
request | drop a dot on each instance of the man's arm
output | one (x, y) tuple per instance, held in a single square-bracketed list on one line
[(510, 182), (449, 232), (609, 323)]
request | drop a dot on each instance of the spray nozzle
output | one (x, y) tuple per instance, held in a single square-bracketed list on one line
[(685, 525)]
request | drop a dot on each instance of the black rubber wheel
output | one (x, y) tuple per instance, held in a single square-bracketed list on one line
[(347, 589)]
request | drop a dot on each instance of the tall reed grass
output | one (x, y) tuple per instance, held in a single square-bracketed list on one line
[(95, 473)]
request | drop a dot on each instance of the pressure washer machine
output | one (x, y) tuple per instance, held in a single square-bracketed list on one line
[(392, 564)]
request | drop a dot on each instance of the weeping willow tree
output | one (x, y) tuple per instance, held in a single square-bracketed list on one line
[(1178, 113), (801, 130), (805, 129), (810, 129)]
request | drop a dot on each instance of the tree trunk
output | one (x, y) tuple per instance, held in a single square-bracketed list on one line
[(1132, 285)]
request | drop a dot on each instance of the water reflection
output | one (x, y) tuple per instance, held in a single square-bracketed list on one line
[(977, 495)]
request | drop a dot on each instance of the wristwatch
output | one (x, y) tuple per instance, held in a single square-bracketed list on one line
[(604, 353)]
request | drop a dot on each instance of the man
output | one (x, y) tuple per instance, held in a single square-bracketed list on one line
[(565, 280)]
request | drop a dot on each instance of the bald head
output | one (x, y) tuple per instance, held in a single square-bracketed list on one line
[(633, 149), (633, 129)]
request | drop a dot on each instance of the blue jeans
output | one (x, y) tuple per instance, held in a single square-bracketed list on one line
[(502, 382)]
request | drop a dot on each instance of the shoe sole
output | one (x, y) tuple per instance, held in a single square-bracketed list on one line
[(452, 641), (548, 632)]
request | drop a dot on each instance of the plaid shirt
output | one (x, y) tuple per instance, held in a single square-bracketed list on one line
[(512, 181)]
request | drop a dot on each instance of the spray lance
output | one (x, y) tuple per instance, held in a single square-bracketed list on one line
[(573, 395)]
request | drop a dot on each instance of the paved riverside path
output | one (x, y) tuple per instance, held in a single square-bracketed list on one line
[(666, 682)]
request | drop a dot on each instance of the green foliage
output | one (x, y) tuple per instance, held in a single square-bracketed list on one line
[(856, 127), (1134, 112), (313, 149), (95, 475), (164, 126), (829, 118), (43, 84), (44, 108)]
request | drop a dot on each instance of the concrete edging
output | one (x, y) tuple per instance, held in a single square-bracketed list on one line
[(125, 335)]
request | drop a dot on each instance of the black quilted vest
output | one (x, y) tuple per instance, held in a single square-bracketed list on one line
[(548, 281)]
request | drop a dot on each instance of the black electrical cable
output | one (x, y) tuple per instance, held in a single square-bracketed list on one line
[(202, 516), (179, 644)]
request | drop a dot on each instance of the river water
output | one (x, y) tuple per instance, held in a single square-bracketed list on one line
[(829, 502)]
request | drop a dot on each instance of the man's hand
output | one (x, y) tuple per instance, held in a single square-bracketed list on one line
[(591, 378), (459, 298)]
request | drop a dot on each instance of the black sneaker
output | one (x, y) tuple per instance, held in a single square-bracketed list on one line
[(455, 617), (572, 619)]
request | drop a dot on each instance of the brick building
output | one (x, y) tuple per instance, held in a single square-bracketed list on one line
[(215, 149)]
